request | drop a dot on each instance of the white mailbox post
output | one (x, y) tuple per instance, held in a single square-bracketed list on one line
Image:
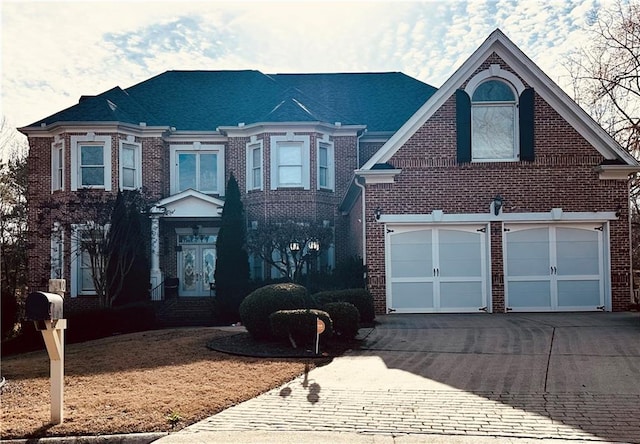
[(45, 310)]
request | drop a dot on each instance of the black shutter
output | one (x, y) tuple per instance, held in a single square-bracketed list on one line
[(527, 98), (463, 125)]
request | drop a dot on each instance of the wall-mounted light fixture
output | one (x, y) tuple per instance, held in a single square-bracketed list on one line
[(497, 204), (377, 212), (195, 229), (294, 246), (313, 245)]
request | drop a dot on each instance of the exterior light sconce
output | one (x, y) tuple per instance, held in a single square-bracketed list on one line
[(314, 245), (377, 212), (195, 229), (294, 246), (497, 204)]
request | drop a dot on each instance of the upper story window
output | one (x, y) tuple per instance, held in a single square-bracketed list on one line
[(254, 165), (493, 121), (495, 118), (198, 167), (326, 170), (130, 165), (91, 162), (57, 166), (290, 162)]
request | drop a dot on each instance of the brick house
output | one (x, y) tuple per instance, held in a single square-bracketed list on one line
[(495, 192)]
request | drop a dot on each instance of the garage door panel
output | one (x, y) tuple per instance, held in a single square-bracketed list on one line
[(460, 253), (578, 293), (530, 294), (578, 251), (412, 296), (461, 295), (528, 252)]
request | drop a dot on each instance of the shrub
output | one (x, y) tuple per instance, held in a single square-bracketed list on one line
[(256, 308), (359, 297), (299, 325), (345, 317)]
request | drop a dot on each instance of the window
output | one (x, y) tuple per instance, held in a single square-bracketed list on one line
[(197, 167), (290, 162), (130, 165), (254, 166), (493, 121), (57, 252), (325, 166), (87, 243), (91, 162), (57, 166), (495, 118)]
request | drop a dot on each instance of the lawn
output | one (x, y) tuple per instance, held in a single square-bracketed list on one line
[(133, 383)]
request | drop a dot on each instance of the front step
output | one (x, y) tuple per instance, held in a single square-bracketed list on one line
[(185, 312)]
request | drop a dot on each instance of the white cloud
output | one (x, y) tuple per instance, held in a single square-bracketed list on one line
[(54, 52)]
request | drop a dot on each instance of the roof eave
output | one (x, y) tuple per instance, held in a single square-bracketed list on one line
[(45, 130)]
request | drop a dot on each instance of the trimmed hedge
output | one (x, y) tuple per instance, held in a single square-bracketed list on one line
[(301, 325), (359, 297), (345, 317), (256, 308)]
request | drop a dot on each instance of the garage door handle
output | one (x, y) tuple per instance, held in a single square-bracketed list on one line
[(436, 272)]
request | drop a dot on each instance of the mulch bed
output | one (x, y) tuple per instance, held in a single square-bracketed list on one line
[(242, 344)]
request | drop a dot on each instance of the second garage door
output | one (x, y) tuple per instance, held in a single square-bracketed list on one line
[(436, 269), (554, 267)]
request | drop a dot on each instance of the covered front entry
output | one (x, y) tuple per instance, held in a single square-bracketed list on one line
[(436, 268), (558, 267), (196, 264)]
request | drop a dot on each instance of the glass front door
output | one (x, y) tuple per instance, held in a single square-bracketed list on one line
[(196, 267)]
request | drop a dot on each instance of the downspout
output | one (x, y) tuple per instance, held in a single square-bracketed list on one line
[(363, 218)]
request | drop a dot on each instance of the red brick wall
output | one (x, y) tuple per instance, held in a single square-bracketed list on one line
[(562, 176)]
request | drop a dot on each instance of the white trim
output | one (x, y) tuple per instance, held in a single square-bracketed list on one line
[(250, 148), (59, 128), (197, 148), (304, 142), (497, 42), (615, 172), (57, 252), (90, 139), (378, 176), (496, 72), (255, 129), (137, 147), (57, 165), (551, 216), (331, 170)]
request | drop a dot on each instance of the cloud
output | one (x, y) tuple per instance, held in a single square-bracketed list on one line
[(54, 52)]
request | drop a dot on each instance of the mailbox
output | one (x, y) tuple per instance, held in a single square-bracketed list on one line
[(41, 306)]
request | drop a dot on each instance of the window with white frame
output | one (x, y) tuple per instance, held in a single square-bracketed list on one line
[(197, 167), (57, 166), (326, 174), (91, 162), (57, 252), (494, 121), (87, 245), (254, 166), (130, 165), (290, 162)]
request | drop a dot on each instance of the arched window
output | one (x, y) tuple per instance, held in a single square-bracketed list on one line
[(494, 121)]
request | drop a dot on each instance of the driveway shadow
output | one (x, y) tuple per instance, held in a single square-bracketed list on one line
[(580, 371)]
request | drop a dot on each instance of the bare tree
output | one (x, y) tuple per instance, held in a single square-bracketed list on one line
[(288, 246)]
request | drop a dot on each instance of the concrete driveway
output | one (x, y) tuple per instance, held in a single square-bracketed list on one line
[(457, 378)]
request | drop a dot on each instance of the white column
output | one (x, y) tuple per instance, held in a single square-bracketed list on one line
[(156, 273)]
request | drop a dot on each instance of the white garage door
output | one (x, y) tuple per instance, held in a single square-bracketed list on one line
[(436, 269), (554, 268)]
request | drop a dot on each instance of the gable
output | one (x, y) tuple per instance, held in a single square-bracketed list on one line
[(500, 45), (191, 204)]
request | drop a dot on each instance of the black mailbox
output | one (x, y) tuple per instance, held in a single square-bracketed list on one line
[(41, 306)]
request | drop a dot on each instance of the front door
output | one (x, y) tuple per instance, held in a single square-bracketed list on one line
[(196, 266)]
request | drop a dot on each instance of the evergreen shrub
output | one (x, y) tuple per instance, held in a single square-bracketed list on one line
[(256, 308), (301, 325), (345, 317), (359, 297)]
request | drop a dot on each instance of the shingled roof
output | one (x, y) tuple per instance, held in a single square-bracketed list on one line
[(206, 100)]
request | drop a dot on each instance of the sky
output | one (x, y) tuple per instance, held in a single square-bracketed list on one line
[(53, 52)]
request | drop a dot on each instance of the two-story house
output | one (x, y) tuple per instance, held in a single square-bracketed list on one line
[(495, 192)]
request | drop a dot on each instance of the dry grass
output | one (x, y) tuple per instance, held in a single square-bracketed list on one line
[(132, 383)]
